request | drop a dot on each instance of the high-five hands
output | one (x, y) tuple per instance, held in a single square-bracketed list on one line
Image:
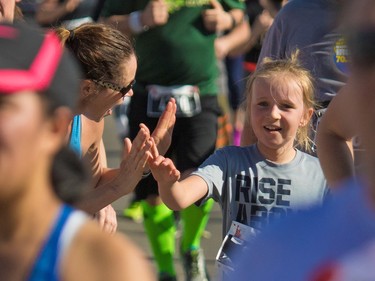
[(163, 169), (135, 156), (145, 148), (162, 134)]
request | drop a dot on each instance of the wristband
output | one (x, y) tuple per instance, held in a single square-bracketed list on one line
[(135, 23), (146, 174)]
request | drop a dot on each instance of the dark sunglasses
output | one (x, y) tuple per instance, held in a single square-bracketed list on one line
[(121, 89), (361, 46)]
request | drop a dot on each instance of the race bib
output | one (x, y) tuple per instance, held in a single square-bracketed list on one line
[(234, 242), (186, 96)]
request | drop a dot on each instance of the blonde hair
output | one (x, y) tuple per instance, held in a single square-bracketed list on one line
[(292, 68)]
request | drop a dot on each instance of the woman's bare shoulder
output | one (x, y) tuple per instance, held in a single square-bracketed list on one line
[(95, 255), (92, 133)]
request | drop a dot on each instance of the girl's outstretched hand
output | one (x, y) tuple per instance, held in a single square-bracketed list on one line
[(163, 169)]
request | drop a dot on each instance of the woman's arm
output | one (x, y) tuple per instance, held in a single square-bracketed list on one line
[(50, 11), (333, 139)]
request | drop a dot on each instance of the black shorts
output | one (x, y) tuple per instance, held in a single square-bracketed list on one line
[(193, 138)]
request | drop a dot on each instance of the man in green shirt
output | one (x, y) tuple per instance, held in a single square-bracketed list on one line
[(175, 45)]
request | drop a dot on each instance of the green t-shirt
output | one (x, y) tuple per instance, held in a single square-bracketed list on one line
[(179, 52)]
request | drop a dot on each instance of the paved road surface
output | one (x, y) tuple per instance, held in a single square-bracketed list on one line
[(136, 232)]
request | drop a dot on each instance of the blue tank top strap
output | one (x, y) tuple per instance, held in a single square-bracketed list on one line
[(75, 136), (45, 266)]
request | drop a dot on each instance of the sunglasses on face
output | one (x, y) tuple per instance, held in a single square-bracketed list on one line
[(123, 90)]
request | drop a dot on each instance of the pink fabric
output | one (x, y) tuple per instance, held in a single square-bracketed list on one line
[(41, 71), (8, 32)]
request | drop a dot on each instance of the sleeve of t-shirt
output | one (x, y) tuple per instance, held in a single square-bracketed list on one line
[(233, 4), (273, 45), (213, 172)]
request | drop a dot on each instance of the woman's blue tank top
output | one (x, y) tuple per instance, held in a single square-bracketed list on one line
[(75, 136)]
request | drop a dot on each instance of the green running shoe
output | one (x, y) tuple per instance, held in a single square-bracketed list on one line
[(134, 212)]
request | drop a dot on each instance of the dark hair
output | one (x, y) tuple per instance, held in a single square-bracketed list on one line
[(99, 48), (18, 15), (70, 177)]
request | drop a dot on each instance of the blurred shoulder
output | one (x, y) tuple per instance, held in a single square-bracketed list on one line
[(95, 255)]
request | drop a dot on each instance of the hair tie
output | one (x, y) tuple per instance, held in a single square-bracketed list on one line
[(71, 35)]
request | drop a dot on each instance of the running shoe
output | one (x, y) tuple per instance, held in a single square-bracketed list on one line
[(194, 265), (134, 212)]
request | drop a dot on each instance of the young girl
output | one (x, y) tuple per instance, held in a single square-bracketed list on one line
[(269, 179)]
